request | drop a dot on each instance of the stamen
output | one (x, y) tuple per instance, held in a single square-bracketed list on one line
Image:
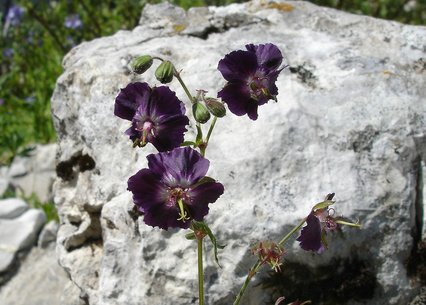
[(182, 213)]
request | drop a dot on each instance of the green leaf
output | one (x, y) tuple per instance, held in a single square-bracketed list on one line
[(322, 205), (202, 226), (203, 180)]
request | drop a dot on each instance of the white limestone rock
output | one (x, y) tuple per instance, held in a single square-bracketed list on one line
[(40, 281), (12, 207), (48, 234), (350, 120), (30, 174)]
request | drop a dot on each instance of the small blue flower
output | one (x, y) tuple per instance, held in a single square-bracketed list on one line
[(14, 15), (30, 99), (73, 22), (8, 53)]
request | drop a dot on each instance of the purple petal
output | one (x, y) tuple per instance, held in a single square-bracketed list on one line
[(268, 55), (201, 196), (147, 189), (238, 65), (310, 236), (164, 103), (237, 97), (170, 133), (130, 98), (180, 167), (165, 217)]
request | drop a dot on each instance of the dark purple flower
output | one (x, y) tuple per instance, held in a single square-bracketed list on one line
[(311, 235), (1, 102), (14, 15), (73, 22), (157, 115), (319, 222), (251, 77), (173, 190)]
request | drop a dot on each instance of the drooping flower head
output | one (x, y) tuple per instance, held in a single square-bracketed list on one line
[(251, 77), (319, 222), (157, 115), (269, 253), (73, 22), (174, 188), (14, 15)]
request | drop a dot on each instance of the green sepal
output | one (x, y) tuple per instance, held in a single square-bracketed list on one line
[(165, 72), (322, 205), (200, 112), (190, 236), (188, 143), (205, 179), (141, 64), (202, 226)]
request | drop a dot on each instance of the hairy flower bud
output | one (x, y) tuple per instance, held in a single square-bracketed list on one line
[(215, 107), (141, 64), (164, 72), (200, 112)]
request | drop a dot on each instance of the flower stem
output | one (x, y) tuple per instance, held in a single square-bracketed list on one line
[(258, 264), (185, 88), (251, 273), (200, 272), (285, 238), (211, 130)]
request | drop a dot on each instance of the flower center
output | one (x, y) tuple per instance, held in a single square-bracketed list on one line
[(178, 196), (258, 85), (146, 128)]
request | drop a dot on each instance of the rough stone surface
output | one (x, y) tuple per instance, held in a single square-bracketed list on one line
[(48, 234), (18, 234), (30, 174), (40, 281), (12, 207), (350, 119)]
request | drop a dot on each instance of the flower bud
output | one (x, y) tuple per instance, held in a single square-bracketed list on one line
[(215, 107), (141, 64), (164, 72), (200, 112)]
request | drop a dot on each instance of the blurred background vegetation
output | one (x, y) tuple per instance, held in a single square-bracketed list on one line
[(36, 34)]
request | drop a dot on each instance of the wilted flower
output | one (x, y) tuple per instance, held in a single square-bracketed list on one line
[(270, 253), (251, 77), (73, 22), (14, 15), (157, 115), (320, 221), (173, 190)]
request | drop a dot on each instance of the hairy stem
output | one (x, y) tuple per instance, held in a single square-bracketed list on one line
[(258, 264), (200, 272)]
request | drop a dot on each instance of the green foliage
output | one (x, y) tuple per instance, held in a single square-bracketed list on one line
[(40, 41), (48, 207)]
